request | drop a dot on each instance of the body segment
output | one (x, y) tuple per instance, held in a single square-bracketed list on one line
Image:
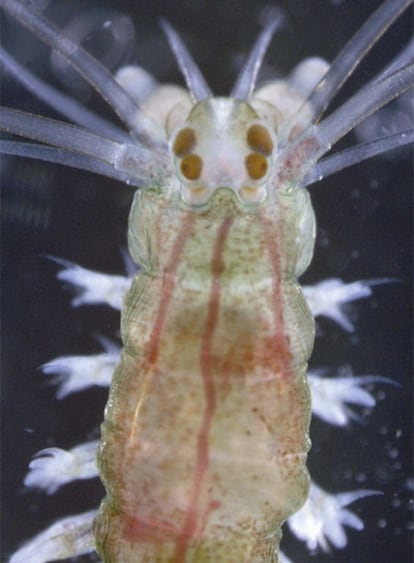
[(215, 431)]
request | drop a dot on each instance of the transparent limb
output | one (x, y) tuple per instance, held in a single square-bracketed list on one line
[(246, 80), (132, 159), (365, 102), (193, 77), (68, 537), (323, 518), (66, 158), (54, 132), (62, 103), (93, 287), (117, 34), (328, 297), (300, 156), (53, 467), (353, 52), (330, 395), (347, 157), (76, 373), (403, 58), (96, 74)]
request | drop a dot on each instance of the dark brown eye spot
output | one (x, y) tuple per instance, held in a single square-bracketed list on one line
[(191, 166), (256, 165), (259, 139), (184, 142)]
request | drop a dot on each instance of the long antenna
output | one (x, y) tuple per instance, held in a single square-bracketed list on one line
[(194, 79), (246, 80)]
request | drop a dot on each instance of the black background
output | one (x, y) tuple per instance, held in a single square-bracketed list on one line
[(365, 231)]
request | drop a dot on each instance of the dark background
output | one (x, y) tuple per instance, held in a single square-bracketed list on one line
[(365, 231)]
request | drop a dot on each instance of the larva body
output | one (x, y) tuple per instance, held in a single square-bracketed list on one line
[(181, 538)]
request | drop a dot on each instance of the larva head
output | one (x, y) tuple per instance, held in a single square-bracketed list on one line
[(223, 144)]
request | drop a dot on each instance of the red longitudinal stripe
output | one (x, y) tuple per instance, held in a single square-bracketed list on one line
[(168, 285), (137, 527), (217, 268), (281, 342)]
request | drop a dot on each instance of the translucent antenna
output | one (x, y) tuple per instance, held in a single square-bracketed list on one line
[(194, 79), (62, 103), (353, 52), (403, 58), (246, 80), (300, 156), (66, 158), (129, 158), (56, 133), (365, 102), (343, 159), (96, 74)]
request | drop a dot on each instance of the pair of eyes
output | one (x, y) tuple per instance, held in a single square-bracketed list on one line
[(258, 139)]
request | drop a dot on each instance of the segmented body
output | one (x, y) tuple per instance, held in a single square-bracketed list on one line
[(214, 508), (216, 337)]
